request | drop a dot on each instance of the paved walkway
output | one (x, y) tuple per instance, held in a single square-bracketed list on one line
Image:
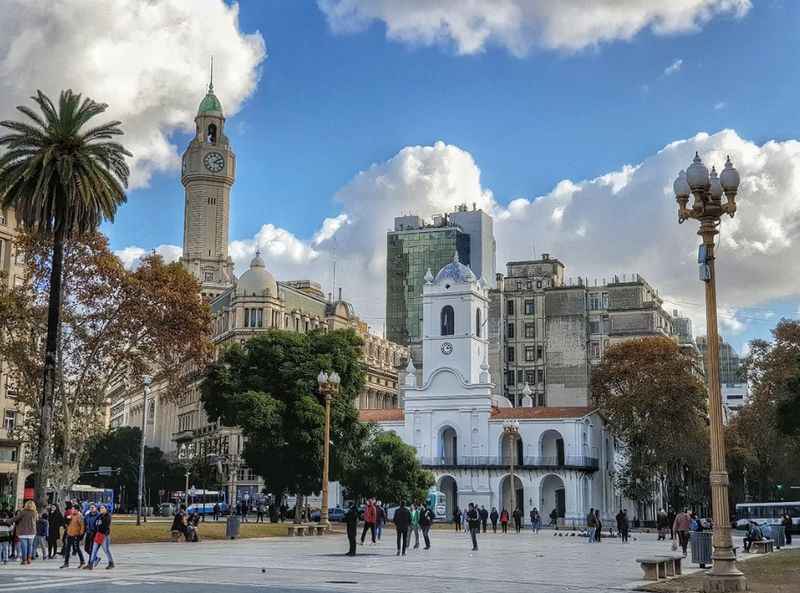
[(544, 563)]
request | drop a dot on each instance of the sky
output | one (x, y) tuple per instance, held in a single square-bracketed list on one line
[(567, 121)]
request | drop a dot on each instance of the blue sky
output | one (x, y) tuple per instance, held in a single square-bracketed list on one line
[(328, 105)]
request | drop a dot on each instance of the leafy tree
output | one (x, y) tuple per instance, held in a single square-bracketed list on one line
[(387, 469), (268, 388), (119, 449), (656, 406), (116, 326), (62, 177)]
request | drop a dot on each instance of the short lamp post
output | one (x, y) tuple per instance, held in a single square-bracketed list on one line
[(328, 387), (146, 381), (511, 429), (708, 208)]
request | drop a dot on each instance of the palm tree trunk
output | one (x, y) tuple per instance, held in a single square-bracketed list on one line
[(44, 455)]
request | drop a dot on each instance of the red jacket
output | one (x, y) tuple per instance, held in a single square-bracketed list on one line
[(504, 517), (370, 514)]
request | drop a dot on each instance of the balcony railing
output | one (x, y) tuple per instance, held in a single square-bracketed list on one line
[(568, 462)]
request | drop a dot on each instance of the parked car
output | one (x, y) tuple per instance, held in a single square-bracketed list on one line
[(166, 509), (334, 515)]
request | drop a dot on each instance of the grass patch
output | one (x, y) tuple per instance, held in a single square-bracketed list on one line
[(778, 572), (130, 533)]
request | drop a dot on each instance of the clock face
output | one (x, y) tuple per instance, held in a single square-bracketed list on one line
[(214, 162), (447, 348)]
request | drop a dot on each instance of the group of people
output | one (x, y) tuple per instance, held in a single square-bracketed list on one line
[(26, 533), (407, 521), (503, 518)]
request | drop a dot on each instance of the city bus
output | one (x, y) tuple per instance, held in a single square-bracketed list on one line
[(767, 513), (437, 502), (86, 495), (203, 501)]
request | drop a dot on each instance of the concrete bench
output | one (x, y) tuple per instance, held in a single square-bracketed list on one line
[(764, 546), (297, 530), (673, 564), (656, 567)]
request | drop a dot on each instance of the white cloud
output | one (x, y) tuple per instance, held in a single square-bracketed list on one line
[(131, 256), (673, 68), (720, 105), (148, 60), (519, 25)]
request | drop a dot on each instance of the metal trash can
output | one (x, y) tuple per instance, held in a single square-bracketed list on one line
[(701, 547), (777, 533), (232, 527)]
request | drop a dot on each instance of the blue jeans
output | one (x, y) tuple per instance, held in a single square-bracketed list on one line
[(26, 548), (106, 545), (5, 551), (379, 529), (590, 534)]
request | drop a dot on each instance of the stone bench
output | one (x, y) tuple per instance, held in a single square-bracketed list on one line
[(673, 564), (297, 530), (656, 567), (763, 546)]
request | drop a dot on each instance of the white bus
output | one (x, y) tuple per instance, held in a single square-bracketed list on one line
[(767, 513), (203, 501)]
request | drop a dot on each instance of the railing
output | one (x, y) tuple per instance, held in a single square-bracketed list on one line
[(568, 462)]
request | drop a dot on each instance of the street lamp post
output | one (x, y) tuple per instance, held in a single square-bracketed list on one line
[(708, 209), (511, 429), (328, 387), (146, 380)]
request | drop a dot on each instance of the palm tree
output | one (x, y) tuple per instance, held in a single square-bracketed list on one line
[(62, 178)]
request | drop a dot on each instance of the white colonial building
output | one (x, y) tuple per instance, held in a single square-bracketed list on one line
[(563, 456)]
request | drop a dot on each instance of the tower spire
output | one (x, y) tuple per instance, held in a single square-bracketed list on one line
[(211, 80)]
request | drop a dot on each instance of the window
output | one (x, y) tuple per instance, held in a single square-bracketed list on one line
[(9, 420), (519, 284), (530, 307), (208, 276), (520, 377), (529, 285), (539, 352), (212, 134), (478, 322), (594, 349), (509, 378), (594, 327), (530, 377), (538, 284), (530, 330), (541, 399), (510, 330), (510, 308), (540, 376), (447, 318), (529, 352), (510, 354)]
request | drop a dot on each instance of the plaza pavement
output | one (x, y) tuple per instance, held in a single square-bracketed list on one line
[(505, 563)]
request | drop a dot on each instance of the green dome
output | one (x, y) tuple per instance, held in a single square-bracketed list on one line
[(210, 103)]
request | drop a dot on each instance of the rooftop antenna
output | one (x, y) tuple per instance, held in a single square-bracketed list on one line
[(211, 81)]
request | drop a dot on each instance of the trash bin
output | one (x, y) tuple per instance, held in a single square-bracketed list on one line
[(777, 534), (701, 547), (232, 527)]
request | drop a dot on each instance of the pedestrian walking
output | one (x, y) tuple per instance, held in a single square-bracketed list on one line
[(598, 527), (25, 530), (260, 513), (464, 522), (40, 541), (457, 519), (473, 521), (591, 525), (89, 520), (537, 520), (484, 517), (6, 539), (624, 526), (215, 511), (681, 527), (504, 521), (517, 514), (370, 518), (786, 521), (415, 512), (493, 517), (671, 522), (380, 519), (101, 539), (55, 522), (662, 524), (554, 519), (425, 522), (351, 521), (402, 521), (74, 531)]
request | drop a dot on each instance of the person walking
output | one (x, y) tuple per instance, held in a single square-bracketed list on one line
[(537, 520), (351, 521), (598, 528), (101, 539), (55, 522), (662, 524), (484, 517), (474, 523), (591, 525), (25, 530), (493, 517), (681, 527), (618, 521), (786, 521), (380, 519), (216, 511), (260, 513), (402, 521), (415, 512), (671, 522), (6, 539), (74, 531), (504, 521), (89, 520), (370, 518), (554, 519), (464, 522), (40, 541), (425, 521), (624, 527), (517, 514), (457, 519)]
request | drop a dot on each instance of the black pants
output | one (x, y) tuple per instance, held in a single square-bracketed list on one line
[(788, 537), (425, 535), (371, 527), (259, 517), (504, 526), (484, 525), (351, 540), (457, 525), (683, 539), (88, 542), (624, 534), (517, 525), (494, 526), (474, 533), (73, 546), (402, 535), (52, 546)]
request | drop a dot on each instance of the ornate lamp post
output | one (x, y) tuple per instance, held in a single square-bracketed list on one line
[(328, 387), (511, 429), (708, 209)]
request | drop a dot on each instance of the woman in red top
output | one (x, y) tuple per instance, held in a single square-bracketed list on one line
[(504, 520), (370, 519)]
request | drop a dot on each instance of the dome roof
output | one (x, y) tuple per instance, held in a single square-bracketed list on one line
[(455, 271), (210, 104), (257, 279)]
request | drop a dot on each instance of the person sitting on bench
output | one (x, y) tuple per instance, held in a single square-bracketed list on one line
[(754, 534)]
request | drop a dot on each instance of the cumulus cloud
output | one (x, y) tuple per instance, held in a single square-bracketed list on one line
[(673, 68), (131, 256), (118, 57), (519, 25)]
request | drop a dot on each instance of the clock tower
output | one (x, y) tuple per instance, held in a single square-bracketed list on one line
[(208, 172)]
